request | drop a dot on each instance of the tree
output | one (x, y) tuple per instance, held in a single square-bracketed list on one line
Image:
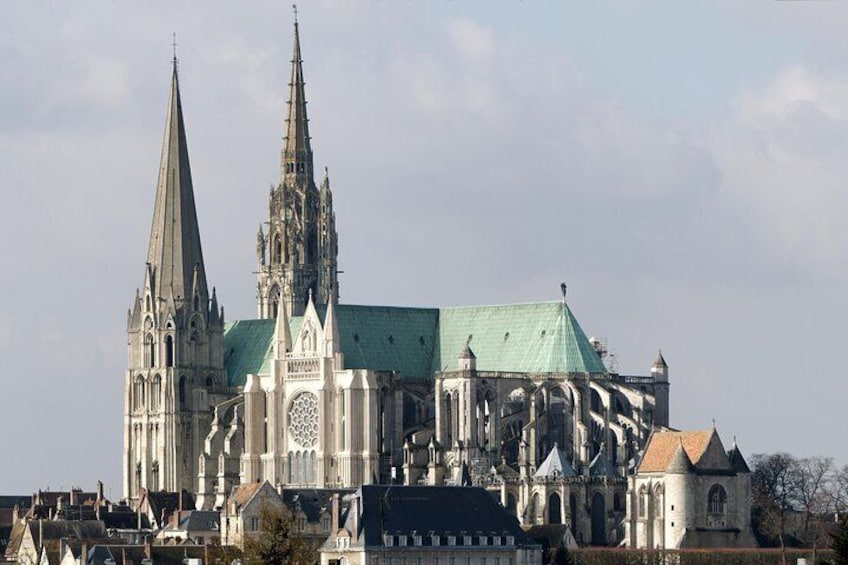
[(839, 543), (278, 542), (776, 494), (223, 554), (815, 477)]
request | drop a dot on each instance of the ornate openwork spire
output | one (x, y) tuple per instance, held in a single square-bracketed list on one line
[(297, 151)]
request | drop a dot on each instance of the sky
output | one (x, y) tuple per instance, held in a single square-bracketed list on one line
[(680, 165)]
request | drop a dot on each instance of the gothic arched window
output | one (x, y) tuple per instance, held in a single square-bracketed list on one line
[(643, 501), (155, 392), (717, 500), (149, 351), (169, 351), (139, 392)]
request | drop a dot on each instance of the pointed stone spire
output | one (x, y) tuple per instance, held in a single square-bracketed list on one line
[(174, 250), (332, 340), (297, 151), (282, 333)]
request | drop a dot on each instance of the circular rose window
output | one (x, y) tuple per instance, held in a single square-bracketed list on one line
[(303, 419)]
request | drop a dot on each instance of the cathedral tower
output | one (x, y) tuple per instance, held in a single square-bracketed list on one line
[(298, 253), (175, 334)]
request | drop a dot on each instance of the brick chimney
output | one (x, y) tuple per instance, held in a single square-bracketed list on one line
[(334, 514)]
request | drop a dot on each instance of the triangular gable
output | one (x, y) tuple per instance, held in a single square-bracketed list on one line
[(713, 457), (555, 465)]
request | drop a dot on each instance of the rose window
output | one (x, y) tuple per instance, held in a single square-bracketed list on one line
[(303, 419)]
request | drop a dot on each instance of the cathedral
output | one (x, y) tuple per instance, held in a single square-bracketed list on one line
[(322, 394)]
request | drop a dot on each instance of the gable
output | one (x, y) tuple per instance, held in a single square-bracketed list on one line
[(713, 458)]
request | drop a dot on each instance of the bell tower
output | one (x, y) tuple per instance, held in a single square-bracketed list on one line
[(174, 334), (298, 252)]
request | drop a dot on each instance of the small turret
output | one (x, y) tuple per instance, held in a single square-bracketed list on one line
[(659, 370), (467, 359)]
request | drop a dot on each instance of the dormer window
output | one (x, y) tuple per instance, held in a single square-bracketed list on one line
[(435, 540), (402, 541), (510, 540), (451, 540), (388, 540), (466, 540), (416, 540)]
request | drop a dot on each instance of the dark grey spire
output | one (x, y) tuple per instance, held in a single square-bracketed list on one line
[(296, 157), (174, 252)]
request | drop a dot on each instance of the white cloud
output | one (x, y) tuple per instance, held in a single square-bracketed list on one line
[(781, 153)]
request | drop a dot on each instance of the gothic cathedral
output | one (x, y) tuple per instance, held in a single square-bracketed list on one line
[(314, 393)]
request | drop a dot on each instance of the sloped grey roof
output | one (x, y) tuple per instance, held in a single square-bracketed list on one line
[(601, 466), (458, 511), (555, 465)]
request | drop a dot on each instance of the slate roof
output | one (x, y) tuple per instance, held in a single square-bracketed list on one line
[(540, 337), (312, 502), (555, 465), (200, 521), (443, 511)]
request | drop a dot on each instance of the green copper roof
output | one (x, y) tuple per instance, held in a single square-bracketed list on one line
[(541, 337), (388, 338), (246, 344)]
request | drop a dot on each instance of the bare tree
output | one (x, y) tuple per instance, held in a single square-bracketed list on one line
[(775, 482), (815, 478)]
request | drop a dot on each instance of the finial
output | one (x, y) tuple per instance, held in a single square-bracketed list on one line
[(294, 8), (310, 294), (713, 423), (174, 47), (734, 441), (564, 289), (326, 171)]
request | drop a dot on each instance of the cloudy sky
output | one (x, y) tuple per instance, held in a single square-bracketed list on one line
[(681, 165)]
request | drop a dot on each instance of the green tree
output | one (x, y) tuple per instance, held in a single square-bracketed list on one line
[(278, 541)]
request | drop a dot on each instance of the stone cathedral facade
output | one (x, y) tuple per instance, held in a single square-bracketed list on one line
[(317, 393)]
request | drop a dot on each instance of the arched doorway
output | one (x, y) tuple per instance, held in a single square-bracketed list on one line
[(599, 520), (554, 509)]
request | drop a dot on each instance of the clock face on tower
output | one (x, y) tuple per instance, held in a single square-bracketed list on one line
[(303, 419)]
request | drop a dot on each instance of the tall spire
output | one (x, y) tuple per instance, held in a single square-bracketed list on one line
[(296, 157), (174, 251)]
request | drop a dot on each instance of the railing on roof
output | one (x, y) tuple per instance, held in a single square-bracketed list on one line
[(302, 367), (634, 379)]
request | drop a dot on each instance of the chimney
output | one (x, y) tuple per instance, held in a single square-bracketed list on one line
[(100, 497), (354, 513), (334, 513)]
